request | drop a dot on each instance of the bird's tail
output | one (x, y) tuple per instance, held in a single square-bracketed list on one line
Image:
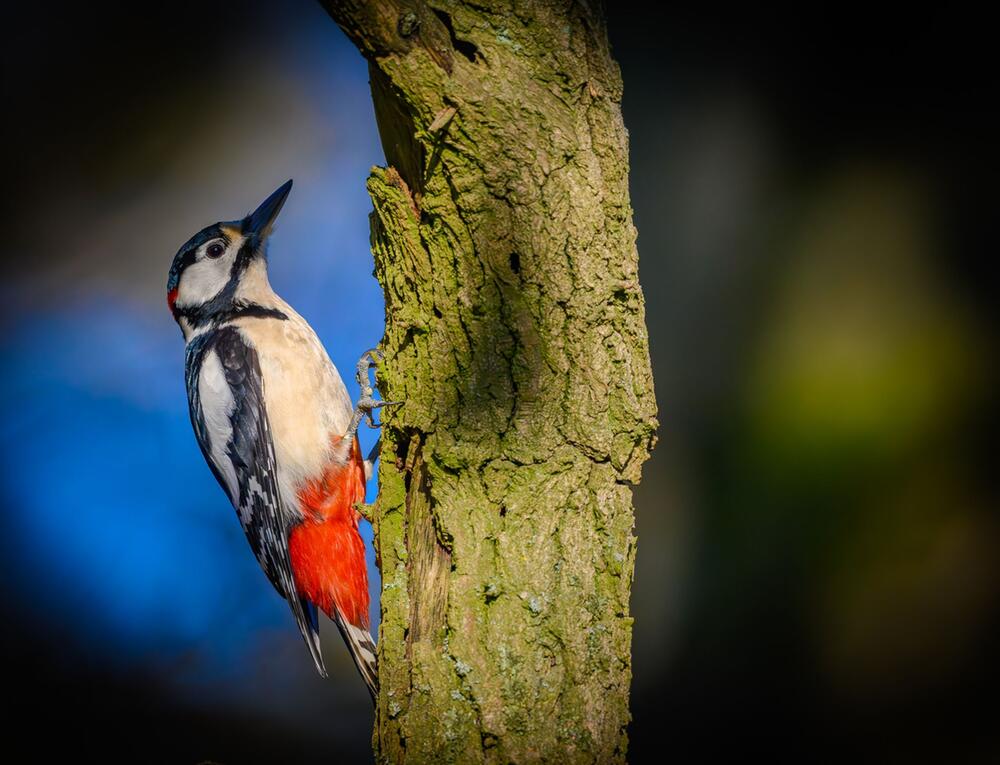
[(362, 648), (307, 619)]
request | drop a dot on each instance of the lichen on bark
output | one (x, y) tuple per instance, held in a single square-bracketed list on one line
[(503, 240)]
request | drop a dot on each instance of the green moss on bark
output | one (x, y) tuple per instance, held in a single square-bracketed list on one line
[(515, 334)]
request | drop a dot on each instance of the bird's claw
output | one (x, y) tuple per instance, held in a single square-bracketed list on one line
[(366, 511), (367, 404)]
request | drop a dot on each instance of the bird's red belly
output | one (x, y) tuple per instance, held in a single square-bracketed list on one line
[(327, 552)]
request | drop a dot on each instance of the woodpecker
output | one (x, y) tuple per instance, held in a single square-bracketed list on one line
[(277, 427)]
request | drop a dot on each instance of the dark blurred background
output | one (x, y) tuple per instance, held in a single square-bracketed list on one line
[(817, 573)]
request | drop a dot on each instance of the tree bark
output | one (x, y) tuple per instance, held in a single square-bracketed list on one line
[(515, 334)]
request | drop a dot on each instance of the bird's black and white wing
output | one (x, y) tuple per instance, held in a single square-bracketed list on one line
[(226, 397)]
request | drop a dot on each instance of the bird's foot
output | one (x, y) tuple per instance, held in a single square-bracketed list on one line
[(367, 510), (366, 404)]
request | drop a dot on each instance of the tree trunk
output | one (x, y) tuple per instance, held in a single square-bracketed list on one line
[(515, 334)]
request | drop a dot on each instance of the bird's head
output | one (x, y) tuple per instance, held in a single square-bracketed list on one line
[(219, 266)]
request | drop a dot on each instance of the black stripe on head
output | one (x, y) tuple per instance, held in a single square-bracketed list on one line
[(252, 310), (186, 254), (248, 251)]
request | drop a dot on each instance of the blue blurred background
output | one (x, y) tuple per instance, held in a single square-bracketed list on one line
[(816, 576)]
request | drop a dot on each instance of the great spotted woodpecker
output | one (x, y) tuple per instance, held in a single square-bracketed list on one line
[(277, 428)]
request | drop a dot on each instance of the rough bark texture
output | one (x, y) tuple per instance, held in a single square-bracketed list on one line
[(515, 333)]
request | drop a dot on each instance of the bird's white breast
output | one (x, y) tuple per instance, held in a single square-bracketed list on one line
[(307, 403)]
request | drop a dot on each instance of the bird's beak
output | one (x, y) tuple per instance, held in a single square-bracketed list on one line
[(258, 223)]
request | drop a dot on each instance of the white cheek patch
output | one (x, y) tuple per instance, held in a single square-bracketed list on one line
[(202, 281)]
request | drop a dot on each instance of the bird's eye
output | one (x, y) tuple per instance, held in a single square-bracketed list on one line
[(215, 250)]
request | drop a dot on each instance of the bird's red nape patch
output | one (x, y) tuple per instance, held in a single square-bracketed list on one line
[(171, 299), (328, 554)]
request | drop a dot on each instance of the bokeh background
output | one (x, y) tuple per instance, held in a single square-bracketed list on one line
[(817, 571)]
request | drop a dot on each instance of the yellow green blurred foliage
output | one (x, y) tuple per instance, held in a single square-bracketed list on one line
[(859, 398)]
